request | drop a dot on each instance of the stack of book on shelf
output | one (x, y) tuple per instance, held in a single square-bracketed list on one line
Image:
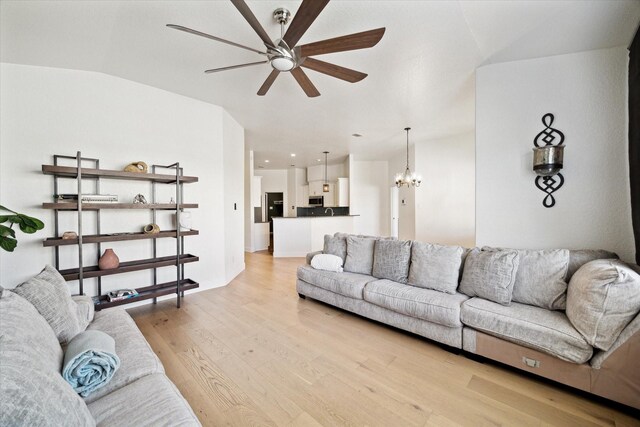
[(87, 198)]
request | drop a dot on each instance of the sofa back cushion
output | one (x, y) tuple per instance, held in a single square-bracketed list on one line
[(335, 245), (50, 295), (435, 266), (26, 339), (391, 260), (490, 275), (603, 297), (359, 255), (540, 280), (579, 257)]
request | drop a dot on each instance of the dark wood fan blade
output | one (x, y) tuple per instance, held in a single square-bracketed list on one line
[(355, 41), (306, 14), (252, 20), (267, 83), (233, 67), (209, 36), (305, 83), (351, 76)]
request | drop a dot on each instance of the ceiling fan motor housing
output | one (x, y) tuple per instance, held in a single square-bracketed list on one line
[(281, 57)]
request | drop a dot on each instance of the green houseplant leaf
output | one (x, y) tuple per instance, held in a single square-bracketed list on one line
[(26, 223)]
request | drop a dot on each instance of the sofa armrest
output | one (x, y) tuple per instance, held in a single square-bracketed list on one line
[(84, 309), (310, 256)]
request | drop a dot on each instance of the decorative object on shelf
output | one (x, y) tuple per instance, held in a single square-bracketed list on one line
[(27, 224), (407, 178), (138, 167), (547, 160), (140, 199), (151, 229), (121, 294), (172, 202), (108, 260), (69, 235), (185, 220), (325, 186)]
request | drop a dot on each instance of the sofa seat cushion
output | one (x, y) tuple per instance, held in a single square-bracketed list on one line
[(137, 359), (533, 327), (347, 284), (426, 304), (149, 401)]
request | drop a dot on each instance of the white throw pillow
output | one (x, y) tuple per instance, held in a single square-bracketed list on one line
[(327, 262)]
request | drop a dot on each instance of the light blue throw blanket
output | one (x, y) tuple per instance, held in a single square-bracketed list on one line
[(90, 361)]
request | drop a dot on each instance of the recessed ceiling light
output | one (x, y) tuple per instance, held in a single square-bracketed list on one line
[(293, 154), (266, 161), (356, 135), (319, 160)]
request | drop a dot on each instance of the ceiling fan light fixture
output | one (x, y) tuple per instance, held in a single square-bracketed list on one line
[(283, 64)]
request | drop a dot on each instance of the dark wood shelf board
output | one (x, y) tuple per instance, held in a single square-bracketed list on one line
[(72, 206), (126, 267), (149, 292), (72, 172), (98, 238)]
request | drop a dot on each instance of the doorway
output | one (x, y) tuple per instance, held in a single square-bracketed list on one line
[(274, 207)]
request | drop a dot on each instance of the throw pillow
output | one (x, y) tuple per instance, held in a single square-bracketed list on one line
[(327, 262), (540, 278), (578, 258), (335, 246), (49, 294), (359, 255), (391, 260), (603, 297), (490, 275), (435, 266)]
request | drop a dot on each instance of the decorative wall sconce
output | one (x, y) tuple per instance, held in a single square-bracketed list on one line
[(547, 160)]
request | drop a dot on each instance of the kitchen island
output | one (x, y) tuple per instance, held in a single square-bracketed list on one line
[(297, 236)]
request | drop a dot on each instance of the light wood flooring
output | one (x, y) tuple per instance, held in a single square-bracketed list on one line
[(253, 353)]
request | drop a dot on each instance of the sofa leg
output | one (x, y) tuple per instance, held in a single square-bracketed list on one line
[(302, 296)]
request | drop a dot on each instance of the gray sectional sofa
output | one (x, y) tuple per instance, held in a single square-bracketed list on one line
[(570, 316), (34, 392)]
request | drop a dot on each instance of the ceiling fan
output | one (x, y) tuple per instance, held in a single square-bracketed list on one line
[(285, 56)]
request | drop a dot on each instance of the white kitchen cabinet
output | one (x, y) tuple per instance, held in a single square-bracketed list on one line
[(342, 192), (305, 196), (330, 197), (315, 188), (256, 192)]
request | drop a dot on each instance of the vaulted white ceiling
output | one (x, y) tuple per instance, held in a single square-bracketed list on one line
[(421, 74)]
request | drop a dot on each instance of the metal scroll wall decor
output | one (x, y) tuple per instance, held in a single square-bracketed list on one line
[(547, 160)]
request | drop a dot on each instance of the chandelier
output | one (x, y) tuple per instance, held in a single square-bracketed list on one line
[(407, 178)]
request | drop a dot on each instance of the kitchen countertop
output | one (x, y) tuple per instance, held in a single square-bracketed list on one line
[(313, 216)]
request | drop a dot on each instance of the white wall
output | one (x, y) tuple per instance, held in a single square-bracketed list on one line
[(369, 187), (587, 93), (248, 205), (445, 202), (233, 156), (406, 196), (46, 111)]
